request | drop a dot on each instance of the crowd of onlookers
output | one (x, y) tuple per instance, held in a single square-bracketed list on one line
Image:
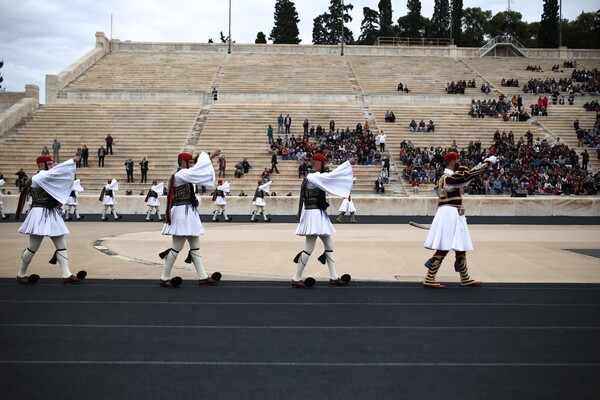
[(548, 85), (498, 109), (534, 166), (589, 81), (459, 86)]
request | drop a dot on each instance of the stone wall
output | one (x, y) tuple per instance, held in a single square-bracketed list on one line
[(398, 206)]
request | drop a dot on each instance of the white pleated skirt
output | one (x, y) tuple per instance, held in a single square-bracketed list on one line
[(314, 222), (44, 222), (449, 231), (220, 201), (185, 221), (72, 201), (259, 202), (109, 201), (153, 202), (347, 206)]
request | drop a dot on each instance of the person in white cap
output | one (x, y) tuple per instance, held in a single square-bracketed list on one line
[(152, 200), (107, 197), (49, 189), (258, 201)]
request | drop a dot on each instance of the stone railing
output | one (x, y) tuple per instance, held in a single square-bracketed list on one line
[(55, 83), (499, 206)]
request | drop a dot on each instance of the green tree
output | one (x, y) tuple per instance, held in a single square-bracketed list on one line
[(508, 23), (385, 18), (327, 27), (369, 28), (411, 24), (440, 20), (285, 30), (584, 32), (456, 21), (261, 38), (474, 23), (548, 33)]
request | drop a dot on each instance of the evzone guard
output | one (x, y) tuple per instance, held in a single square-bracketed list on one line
[(219, 199), (72, 202), (347, 207), (152, 200), (449, 231), (49, 189), (313, 221), (182, 221), (2, 215), (108, 199), (258, 201)]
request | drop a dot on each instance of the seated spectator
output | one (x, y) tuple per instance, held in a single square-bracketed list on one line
[(379, 186), (430, 126), (413, 125), (266, 175), (239, 170), (415, 185), (422, 126)]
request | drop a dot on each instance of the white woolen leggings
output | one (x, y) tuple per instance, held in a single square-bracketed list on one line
[(309, 246), (178, 243), (35, 242)]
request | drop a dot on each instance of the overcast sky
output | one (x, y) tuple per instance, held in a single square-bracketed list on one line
[(39, 37)]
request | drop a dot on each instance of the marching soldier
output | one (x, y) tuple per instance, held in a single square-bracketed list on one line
[(449, 231)]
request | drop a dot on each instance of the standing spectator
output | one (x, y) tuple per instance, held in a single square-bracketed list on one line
[(4, 216), (585, 159), (85, 154), (274, 163), (101, 154), (270, 134), (56, 150), (222, 166), (79, 152), (288, 123), (109, 143), (280, 124), (21, 178), (215, 93), (50, 187), (144, 170), (305, 126), (302, 170), (381, 140), (129, 170), (45, 151), (519, 102)]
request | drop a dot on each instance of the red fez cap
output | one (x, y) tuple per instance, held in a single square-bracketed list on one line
[(154, 182), (451, 155), (319, 157), (219, 181), (42, 159), (109, 181), (184, 157), (260, 181)]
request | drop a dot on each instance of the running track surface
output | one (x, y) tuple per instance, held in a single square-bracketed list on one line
[(107, 339)]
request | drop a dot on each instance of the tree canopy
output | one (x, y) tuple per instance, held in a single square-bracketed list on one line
[(285, 30)]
